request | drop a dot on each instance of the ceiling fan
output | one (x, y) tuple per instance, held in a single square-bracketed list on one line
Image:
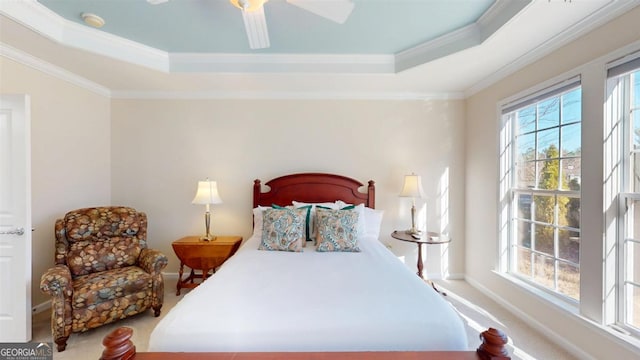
[(255, 22)]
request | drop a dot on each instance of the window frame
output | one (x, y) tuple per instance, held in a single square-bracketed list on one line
[(509, 192), (626, 194)]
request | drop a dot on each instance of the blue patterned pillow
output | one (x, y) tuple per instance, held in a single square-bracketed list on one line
[(283, 229), (337, 230)]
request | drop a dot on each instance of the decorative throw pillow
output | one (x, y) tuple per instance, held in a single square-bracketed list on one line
[(311, 230), (362, 225), (283, 229), (307, 220), (337, 230)]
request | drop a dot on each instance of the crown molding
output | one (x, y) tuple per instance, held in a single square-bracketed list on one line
[(46, 22), (598, 18), (281, 63), (282, 95), (53, 70), (38, 64), (501, 12), (40, 19)]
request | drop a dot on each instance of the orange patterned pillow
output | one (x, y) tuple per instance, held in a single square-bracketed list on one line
[(283, 229)]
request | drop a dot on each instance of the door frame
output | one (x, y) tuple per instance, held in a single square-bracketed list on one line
[(20, 107)]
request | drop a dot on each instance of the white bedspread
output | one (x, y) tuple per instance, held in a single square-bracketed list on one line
[(311, 301)]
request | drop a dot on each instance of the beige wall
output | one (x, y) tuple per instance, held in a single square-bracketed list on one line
[(89, 150), (583, 57), (70, 153), (161, 148)]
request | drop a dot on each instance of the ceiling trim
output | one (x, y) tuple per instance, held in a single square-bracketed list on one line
[(284, 95), (50, 69), (598, 18), (31, 61), (471, 35), (48, 23), (281, 63)]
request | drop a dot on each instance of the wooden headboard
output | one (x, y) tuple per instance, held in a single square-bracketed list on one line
[(313, 188)]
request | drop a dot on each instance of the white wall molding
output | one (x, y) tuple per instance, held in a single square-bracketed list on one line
[(535, 323), (48, 23), (50, 69), (41, 307), (440, 276), (596, 19), (471, 35), (553, 335), (274, 95), (282, 63), (60, 73), (44, 21)]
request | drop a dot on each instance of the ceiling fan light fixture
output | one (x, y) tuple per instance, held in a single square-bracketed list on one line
[(92, 20), (248, 5)]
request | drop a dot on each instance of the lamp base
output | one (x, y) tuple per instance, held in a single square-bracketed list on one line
[(208, 238), (414, 232)]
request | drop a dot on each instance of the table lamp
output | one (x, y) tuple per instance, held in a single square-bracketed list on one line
[(412, 188), (207, 194)]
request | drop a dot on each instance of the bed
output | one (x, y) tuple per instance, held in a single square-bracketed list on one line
[(304, 302)]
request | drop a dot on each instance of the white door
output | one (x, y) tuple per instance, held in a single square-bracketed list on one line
[(15, 219)]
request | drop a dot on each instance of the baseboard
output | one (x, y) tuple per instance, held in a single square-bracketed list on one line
[(439, 276), (170, 275), (547, 332), (41, 307)]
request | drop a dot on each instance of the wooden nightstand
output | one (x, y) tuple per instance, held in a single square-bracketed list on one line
[(204, 256)]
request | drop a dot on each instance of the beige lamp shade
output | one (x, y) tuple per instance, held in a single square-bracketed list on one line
[(412, 186), (207, 193)]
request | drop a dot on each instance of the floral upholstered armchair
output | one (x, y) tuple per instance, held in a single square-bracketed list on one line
[(104, 271)]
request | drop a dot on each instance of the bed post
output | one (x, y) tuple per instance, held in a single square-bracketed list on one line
[(118, 345), (371, 195), (257, 188), (492, 347)]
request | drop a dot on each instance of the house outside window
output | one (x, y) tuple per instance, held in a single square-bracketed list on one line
[(540, 164)]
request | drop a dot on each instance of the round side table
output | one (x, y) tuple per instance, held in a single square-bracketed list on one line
[(428, 238)]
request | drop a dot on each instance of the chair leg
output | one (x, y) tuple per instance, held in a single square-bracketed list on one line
[(62, 343)]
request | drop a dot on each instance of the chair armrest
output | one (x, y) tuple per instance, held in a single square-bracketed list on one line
[(152, 261), (56, 281)]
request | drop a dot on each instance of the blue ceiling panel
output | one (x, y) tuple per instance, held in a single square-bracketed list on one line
[(216, 26)]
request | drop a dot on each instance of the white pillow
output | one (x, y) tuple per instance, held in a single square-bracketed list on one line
[(373, 221), (257, 220)]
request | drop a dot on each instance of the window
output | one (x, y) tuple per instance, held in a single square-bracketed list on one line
[(624, 108), (540, 188)]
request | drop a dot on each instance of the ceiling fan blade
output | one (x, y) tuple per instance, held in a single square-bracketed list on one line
[(334, 10), (255, 24)]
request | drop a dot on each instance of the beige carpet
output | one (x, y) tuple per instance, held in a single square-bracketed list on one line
[(477, 311)]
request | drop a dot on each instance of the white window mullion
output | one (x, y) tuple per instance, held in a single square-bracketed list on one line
[(534, 130)]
